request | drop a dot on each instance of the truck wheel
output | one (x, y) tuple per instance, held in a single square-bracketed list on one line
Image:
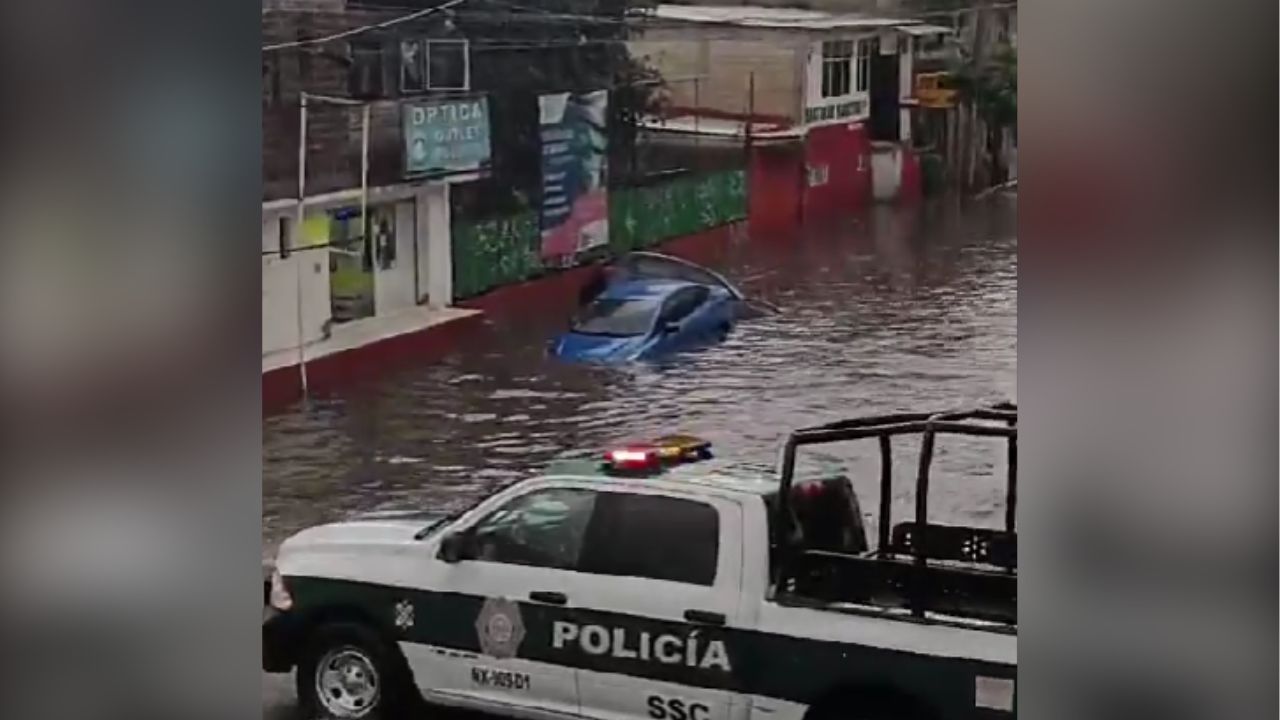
[(348, 671)]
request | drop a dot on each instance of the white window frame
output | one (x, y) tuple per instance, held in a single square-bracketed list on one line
[(834, 57), (862, 66), (466, 63)]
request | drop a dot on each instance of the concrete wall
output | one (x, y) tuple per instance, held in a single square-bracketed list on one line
[(280, 287), (725, 59), (422, 273), (837, 161), (333, 133)]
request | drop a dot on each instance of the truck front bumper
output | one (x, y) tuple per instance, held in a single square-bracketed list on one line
[(279, 640)]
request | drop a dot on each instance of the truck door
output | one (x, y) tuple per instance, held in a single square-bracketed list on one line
[(657, 594), (503, 598)]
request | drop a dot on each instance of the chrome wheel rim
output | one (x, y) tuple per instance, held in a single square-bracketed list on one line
[(347, 683)]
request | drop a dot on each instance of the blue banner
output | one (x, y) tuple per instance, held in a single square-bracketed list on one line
[(575, 204)]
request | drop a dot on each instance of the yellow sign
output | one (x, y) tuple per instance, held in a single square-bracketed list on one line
[(315, 230), (930, 93)]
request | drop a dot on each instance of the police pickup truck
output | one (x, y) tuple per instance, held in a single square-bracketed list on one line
[(653, 585)]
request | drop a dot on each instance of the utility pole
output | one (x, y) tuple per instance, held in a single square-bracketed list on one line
[(304, 99)]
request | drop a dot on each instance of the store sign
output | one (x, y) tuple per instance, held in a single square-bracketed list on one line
[(446, 136), (850, 109), (931, 92)]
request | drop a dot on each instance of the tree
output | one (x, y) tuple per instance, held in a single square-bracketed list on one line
[(991, 87)]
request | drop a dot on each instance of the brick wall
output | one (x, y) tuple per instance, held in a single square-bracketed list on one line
[(333, 132)]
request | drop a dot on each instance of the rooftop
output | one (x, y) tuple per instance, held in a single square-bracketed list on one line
[(770, 17)]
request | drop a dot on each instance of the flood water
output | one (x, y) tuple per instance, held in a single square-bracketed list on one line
[(911, 310)]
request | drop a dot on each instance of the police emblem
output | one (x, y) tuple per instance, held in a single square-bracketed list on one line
[(500, 628), (404, 614)]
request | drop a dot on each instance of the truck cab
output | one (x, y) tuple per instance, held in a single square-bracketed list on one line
[(645, 585)]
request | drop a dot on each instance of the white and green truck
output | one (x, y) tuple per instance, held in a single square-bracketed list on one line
[(655, 585)]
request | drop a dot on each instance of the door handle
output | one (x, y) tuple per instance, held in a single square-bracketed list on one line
[(703, 617), (549, 597)]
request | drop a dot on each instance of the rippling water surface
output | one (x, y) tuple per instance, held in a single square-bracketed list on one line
[(905, 311)]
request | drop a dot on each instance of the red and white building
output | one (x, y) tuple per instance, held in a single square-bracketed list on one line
[(825, 96)]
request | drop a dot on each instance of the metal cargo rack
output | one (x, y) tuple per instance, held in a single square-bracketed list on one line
[(998, 421)]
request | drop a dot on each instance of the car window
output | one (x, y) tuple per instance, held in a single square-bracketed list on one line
[(544, 528), (683, 302), (652, 536), (618, 318)]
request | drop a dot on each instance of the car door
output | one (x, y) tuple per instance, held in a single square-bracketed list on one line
[(657, 596), (503, 596)]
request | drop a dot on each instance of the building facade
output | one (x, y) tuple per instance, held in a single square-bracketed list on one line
[(838, 86), (364, 251)]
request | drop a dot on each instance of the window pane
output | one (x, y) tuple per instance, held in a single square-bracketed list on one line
[(447, 65), (617, 318), (684, 302), (653, 537), (543, 529)]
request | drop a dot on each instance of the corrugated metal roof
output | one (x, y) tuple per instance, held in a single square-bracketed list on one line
[(926, 30), (769, 17)]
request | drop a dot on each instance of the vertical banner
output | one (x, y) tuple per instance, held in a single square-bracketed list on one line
[(575, 204)]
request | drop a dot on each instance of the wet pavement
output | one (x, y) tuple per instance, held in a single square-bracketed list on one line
[(904, 311)]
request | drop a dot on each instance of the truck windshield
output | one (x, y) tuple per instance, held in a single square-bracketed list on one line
[(616, 318)]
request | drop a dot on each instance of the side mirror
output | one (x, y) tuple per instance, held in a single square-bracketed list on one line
[(455, 547)]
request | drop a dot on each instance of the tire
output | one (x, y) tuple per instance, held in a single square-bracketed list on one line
[(347, 671)]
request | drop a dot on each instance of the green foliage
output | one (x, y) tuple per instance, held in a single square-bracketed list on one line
[(991, 86)]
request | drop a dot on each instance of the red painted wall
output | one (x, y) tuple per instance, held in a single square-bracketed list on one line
[(845, 151), (912, 187), (775, 188)]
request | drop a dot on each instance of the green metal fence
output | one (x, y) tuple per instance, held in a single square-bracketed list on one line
[(500, 252), (493, 253), (644, 216)]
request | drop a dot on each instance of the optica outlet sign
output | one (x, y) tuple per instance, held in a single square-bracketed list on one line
[(446, 136)]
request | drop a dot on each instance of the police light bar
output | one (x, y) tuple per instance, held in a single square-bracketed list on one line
[(667, 450), (682, 448), (633, 459)]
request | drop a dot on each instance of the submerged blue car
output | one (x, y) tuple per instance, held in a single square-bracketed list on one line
[(652, 306)]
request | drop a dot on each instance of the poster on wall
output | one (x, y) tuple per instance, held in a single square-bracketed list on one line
[(575, 203)]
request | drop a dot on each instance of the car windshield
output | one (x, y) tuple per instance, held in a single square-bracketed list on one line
[(616, 318)]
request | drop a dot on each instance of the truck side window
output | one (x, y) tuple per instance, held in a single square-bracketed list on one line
[(651, 536), (544, 528)]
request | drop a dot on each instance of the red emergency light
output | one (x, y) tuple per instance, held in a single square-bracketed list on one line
[(633, 459), (651, 457)]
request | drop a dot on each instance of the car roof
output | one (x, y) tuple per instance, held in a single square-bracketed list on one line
[(643, 289)]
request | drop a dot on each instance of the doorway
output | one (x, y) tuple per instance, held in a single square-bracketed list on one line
[(884, 91), (350, 267)]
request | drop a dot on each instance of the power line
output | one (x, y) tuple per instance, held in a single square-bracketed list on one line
[(364, 28)]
